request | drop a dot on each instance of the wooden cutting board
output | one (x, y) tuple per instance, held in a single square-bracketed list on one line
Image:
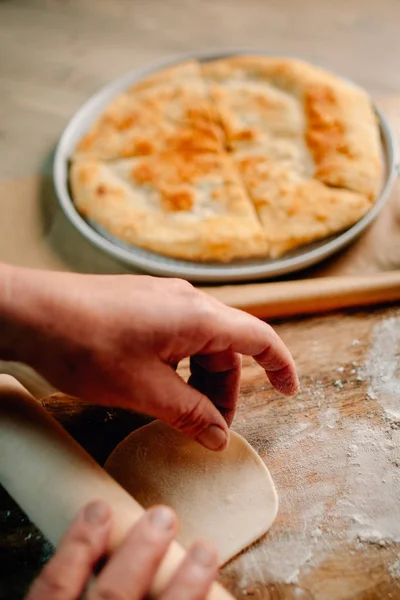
[(333, 451)]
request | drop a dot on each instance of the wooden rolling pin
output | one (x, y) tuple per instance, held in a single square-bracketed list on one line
[(310, 296), (51, 477)]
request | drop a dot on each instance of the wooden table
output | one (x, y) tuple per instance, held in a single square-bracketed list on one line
[(334, 451)]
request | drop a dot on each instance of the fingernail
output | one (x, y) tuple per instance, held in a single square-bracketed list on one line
[(97, 513), (202, 555), (162, 518), (213, 438), (290, 384)]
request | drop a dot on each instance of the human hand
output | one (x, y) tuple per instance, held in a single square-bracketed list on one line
[(116, 340), (131, 569)]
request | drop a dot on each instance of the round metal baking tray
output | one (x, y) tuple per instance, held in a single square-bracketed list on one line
[(157, 264)]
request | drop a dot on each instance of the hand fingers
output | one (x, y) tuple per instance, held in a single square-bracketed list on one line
[(252, 337), (194, 578), (166, 396), (228, 328), (131, 570), (217, 376), (67, 573)]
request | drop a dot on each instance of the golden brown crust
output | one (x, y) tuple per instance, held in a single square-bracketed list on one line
[(343, 137), (295, 211), (263, 100), (193, 210), (305, 144), (170, 110)]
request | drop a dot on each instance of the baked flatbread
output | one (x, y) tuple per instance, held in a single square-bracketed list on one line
[(241, 157), (294, 210), (267, 103), (170, 110), (193, 209)]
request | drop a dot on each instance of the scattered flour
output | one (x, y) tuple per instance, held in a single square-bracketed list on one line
[(317, 393), (331, 491), (329, 417), (110, 416), (337, 475), (394, 570), (382, 367), (372, 486)]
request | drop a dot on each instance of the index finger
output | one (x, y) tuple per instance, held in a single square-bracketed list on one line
[(230, 328)]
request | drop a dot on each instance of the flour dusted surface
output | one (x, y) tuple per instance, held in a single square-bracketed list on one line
[(337, 470), (382, 367)]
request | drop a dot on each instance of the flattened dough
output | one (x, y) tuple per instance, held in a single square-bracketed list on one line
[(226, 497)]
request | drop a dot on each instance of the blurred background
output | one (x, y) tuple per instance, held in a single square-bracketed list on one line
[(54, 54)]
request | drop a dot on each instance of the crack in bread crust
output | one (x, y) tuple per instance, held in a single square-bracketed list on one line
[(192, 210)]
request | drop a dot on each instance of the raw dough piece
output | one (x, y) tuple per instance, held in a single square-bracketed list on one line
[(226, 497)]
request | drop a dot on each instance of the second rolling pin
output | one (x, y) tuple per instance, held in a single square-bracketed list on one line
[(310, 296)]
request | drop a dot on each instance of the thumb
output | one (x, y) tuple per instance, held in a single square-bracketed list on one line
[(186, 409)]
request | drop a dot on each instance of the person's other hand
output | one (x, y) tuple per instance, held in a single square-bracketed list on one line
[(116, 340), (130, 571)]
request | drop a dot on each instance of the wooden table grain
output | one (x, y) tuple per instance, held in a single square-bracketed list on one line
[(333, 450)]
